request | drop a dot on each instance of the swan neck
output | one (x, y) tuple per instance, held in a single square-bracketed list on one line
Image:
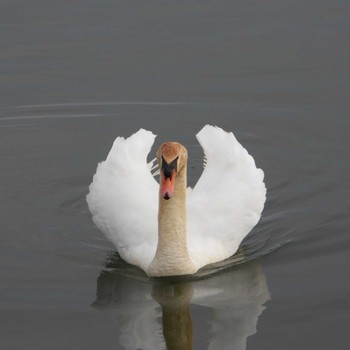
[(172, 256), (172, 217)]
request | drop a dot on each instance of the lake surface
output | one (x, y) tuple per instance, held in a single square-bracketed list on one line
[(75, 75)]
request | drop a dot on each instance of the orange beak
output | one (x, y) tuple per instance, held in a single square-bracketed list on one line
[(167, 188)]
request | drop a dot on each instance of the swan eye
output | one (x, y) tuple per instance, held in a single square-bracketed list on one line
[(168, 168)]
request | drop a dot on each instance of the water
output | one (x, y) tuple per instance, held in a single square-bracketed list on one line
[(74, 75)]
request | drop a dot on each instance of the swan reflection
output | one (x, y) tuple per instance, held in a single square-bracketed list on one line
[(165, 313)]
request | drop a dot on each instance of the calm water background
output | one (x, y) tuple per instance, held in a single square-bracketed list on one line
[(76, 74)]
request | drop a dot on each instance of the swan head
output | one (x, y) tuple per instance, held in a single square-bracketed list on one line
[(172, 159)]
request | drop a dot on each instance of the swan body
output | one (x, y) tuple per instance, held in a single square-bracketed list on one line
[(166, 228)]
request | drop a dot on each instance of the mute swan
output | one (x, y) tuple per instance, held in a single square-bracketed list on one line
[(168, 229)]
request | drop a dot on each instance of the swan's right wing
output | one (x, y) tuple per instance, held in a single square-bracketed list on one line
[(227, 200), (123, 199)]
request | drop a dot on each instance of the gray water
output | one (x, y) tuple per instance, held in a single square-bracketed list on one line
[(76, 74)]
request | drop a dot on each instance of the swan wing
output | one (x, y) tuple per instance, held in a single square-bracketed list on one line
[(226, 202), (123, 198)]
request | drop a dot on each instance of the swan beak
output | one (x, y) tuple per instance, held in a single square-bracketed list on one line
[(167, 188)]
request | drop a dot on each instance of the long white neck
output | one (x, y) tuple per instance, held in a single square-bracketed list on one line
[(172, 256)]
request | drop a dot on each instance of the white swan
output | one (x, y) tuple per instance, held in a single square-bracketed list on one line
[(155, 226)]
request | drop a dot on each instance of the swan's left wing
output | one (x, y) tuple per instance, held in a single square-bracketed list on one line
[(227, 200), (123, 199)]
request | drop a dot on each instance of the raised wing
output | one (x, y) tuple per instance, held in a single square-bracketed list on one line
[(226, 202), (123, 199)]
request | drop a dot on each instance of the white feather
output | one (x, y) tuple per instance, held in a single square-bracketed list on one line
[(227, 200), (222, 208), (123, 199)]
